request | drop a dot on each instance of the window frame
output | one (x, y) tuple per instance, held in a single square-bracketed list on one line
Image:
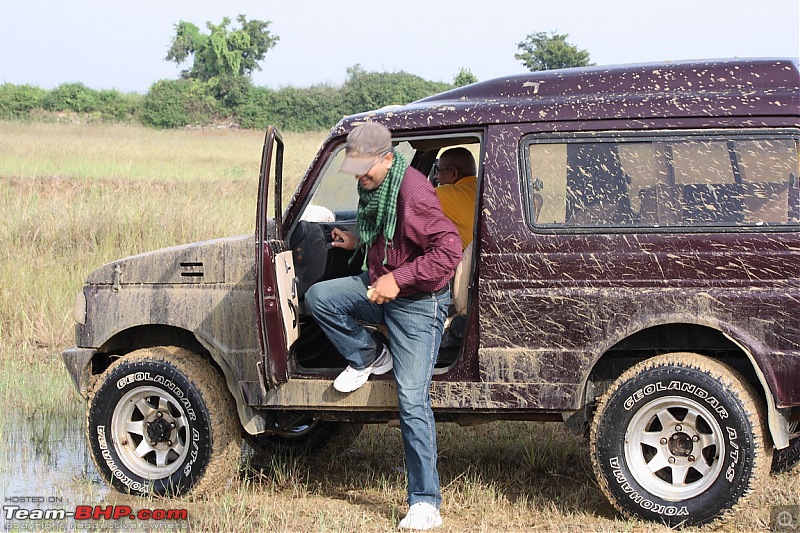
[(309, 186)]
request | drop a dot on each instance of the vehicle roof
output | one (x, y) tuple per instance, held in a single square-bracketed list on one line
[(713, 88)]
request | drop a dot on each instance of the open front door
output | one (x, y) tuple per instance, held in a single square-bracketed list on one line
[(276, 284)]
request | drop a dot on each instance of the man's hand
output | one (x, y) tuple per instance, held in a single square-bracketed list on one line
[(385, 289), (343, 239)]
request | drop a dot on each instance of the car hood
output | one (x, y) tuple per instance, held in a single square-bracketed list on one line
[(213, 261)]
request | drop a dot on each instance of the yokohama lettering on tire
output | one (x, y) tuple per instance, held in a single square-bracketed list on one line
[(161, 421), (679, 439)]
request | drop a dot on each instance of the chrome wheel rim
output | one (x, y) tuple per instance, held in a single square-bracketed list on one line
[(149, 430), (674, 448)]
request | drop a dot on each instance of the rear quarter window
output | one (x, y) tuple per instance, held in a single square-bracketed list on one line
[(671, 181)]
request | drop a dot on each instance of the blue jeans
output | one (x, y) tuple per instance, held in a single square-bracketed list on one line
[(415, 331)]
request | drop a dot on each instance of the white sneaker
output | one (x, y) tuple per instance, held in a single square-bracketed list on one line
[(351, 379), (421, 516)]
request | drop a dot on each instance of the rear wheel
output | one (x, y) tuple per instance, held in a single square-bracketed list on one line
[(162, 422), (679, 439)]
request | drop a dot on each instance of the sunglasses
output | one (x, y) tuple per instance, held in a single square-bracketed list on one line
[(437, 168)]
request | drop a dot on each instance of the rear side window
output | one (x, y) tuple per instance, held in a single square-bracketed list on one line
[(663, 182)]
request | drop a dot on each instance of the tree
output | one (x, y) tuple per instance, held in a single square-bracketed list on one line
[(226, 58), (540, 51), (464, 77)]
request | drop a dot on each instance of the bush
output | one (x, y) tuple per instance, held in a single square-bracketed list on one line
[(178, 103), (17, 101), (291, 109), (114, 105), (254, 112), (320, 107), (307, 109), (230, 91), (71, 97), (365, 91)]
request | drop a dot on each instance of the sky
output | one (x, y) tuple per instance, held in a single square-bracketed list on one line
[(121, 44)]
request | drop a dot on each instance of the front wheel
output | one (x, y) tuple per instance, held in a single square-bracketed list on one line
[(679, 439), (162, 422)]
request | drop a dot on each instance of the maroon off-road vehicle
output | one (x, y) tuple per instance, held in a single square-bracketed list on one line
[(635, 274)]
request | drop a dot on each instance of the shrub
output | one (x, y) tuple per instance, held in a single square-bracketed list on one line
[(464, 77), (177, 103), (321, 106), (365, 91), (114, 105), (291, 108), (309, 109), (71, 97), (17, 101), (254, 112)]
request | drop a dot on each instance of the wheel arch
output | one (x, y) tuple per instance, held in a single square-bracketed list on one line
[(152, 335), (720, 341)]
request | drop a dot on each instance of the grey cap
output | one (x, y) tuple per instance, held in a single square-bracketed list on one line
[(365, 145)]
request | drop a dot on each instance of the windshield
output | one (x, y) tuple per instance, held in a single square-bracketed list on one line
[(336, 196)]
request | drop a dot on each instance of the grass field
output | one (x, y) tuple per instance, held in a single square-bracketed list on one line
[(76, 196)]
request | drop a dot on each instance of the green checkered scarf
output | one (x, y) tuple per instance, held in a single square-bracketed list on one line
[(377, 209)]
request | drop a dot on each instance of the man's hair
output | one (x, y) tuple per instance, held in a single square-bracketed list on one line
[(460, 159)]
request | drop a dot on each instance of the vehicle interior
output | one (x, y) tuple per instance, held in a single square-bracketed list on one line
[(332, 205)]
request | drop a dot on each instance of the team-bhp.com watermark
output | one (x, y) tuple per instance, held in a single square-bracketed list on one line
[(51, 514)]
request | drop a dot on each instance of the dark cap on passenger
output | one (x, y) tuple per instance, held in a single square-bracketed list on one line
[(365, 145)]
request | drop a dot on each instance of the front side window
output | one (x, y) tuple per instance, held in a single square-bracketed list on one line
[(336, 191), (684, 182)]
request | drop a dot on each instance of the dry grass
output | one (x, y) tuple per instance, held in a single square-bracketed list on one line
[(76, 196), (499, 477), (109, 151)]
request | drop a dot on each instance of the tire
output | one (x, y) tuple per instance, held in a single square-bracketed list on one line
[(306, 435), (162, 422), (784, 460), (679, 439)]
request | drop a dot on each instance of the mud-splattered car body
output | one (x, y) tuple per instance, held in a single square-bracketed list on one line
[(623, 213)]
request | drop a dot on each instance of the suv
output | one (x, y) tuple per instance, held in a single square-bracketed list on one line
[(635, 274)]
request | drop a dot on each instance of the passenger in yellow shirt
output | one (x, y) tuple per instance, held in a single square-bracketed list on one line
[(456, 174)]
